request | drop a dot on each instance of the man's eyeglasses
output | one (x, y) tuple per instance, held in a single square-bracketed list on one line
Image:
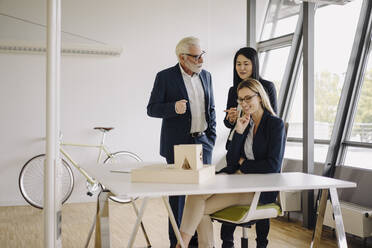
[(246, 99), (196, 57)]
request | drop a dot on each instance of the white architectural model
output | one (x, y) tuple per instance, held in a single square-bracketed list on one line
[(188, 168), (188, 157)]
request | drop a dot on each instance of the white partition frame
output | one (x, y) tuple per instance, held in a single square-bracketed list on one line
[(52, 204)]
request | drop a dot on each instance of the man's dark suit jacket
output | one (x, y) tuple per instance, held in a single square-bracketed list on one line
[(268, 150), (169, 88)]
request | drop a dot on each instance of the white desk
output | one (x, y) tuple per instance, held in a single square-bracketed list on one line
[(120, 185)]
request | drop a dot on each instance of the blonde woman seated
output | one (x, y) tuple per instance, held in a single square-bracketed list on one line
[(257, 147)]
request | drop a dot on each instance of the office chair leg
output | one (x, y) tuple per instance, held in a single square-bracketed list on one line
[(244, 242), (244, 239)]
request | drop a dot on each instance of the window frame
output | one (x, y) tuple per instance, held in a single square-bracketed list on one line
[(350, 94)]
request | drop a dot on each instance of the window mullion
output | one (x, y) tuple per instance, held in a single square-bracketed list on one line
[(289, 82), (351, 89)]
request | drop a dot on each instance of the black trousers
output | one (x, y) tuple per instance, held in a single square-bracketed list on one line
[(177, 203), (262, 231)]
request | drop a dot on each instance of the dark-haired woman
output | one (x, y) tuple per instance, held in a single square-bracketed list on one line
[(246, 65)]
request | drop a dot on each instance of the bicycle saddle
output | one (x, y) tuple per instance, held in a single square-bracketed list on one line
[(104, 129)]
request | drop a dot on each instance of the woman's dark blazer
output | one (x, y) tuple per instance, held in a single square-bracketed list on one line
[(268, 149)]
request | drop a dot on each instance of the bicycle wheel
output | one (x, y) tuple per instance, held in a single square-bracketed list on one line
[(31, 181), (122, 157)]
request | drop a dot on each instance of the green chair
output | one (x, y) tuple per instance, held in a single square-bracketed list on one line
[(247, 215)]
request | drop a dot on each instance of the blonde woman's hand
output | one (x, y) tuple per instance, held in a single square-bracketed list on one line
[(242, 123)]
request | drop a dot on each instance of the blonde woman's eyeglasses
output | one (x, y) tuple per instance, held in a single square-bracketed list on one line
[(246, 99)]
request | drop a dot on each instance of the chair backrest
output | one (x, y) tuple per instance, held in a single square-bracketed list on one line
[(281, 199), (286, 125)]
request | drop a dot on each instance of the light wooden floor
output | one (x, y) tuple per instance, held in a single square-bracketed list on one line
[(21, 226)]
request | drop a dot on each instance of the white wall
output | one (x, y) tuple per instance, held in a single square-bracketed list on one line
[(107, 91)]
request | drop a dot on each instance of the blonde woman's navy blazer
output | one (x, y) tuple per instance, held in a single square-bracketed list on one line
[(268, 149)]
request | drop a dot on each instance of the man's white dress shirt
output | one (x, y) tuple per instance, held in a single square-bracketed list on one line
[(195, 92)]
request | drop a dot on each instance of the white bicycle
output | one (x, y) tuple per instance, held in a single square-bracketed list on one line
[(31, 177)]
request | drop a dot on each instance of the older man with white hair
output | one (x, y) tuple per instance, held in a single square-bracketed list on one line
[(183, 97)]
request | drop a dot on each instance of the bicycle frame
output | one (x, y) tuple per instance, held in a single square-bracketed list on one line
[(101, 148)]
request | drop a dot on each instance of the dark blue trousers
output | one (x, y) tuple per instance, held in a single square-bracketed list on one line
[(262, 231), (177, 203)]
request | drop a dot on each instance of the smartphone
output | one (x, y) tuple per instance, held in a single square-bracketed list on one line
[(239, 109)]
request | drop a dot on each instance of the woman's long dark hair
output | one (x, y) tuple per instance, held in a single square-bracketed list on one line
[(251, 54)]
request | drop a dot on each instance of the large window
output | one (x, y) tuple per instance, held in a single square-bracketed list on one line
[(281, 19), (293, 150), (295, 114), (331, 57), (274, 47), (273, 65), (295, 132), (362, 125), (333, 43), (334, 33), (358, 157)]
